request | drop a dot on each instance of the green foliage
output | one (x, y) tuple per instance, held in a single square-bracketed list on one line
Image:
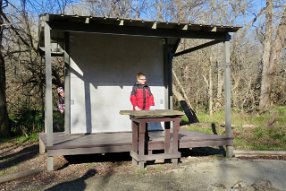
[(196, 127), (255, 131), (266, 131), (33, 137), (26, 121), (281, 110), (58, 119), (185, 120), (215, 118)]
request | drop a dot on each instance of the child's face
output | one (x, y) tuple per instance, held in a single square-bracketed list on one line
[(141, 79)]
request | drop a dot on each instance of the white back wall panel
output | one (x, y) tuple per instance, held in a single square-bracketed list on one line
[(103, 70)]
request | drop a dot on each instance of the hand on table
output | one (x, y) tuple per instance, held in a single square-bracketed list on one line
[(137, 108)]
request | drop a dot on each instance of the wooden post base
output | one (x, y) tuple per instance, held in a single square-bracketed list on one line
[(229, 151)]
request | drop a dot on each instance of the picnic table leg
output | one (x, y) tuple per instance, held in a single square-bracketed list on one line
[(134, 162), (167, 137), (175, 145), (135, 132), (142, 136)]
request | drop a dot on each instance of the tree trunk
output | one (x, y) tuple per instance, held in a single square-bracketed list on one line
[(181, 89), (4, 128), (211, 85), (218, 103), (180, 11), (264, 101), (160, 10), (278, 44), (273, 57)]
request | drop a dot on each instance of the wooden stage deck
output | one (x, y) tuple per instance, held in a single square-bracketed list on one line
[(73, 144)]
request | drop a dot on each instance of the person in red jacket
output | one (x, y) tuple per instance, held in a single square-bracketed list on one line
[(141, 97)]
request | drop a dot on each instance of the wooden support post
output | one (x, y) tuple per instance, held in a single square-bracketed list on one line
[(168, 75), (229, 151), (48, 97), (67, 85), (50, 162), (207, 44), (166, 68), (227, 97), (170, 79), (42, 148)]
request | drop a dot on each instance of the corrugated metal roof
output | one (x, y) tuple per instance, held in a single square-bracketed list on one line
[(138, 23), (132, 27)]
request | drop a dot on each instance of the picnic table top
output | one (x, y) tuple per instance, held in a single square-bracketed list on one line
[(152, 113)]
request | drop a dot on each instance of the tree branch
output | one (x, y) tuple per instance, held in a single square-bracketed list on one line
[(17, 33)]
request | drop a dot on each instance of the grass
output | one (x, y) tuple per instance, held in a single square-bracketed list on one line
[(21, 129), (33, 137), (10, 170), (253, 131)]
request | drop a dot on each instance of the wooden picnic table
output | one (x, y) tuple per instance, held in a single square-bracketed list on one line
[(139, 119)]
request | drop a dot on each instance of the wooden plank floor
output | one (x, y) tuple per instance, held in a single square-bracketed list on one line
[(72, 144)]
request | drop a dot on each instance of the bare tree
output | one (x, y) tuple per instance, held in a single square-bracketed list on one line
[(108, 8), (4, 128), (265, 83), (271, 54), (24, 69)]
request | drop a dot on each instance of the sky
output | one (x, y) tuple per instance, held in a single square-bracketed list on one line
[(37, 7)]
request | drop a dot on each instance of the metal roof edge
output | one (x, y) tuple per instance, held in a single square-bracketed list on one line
[(51, 16)]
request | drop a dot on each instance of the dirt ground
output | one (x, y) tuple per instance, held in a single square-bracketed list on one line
[(201, 169)]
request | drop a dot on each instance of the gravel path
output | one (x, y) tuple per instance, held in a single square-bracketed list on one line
[(115, 172), (214, 174)]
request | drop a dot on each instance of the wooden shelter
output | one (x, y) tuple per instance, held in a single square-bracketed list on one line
[(102, 56)]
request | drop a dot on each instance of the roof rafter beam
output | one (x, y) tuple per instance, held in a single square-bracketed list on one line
[(135, 31), (198, 47)]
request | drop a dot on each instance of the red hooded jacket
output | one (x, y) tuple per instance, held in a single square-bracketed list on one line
[(141, 96)]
